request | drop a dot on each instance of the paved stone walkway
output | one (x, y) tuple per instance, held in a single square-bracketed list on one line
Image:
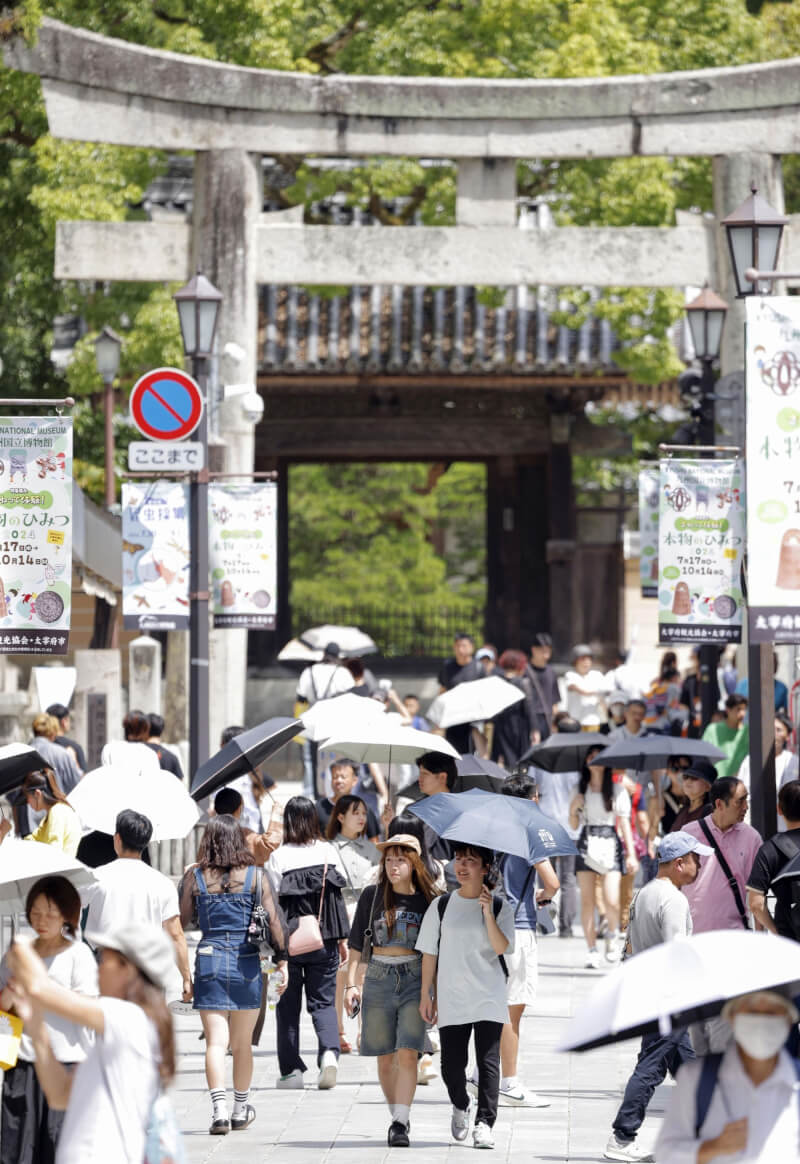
[(349, 1123)]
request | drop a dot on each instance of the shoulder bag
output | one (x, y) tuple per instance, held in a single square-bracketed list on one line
[(307, 935), (726, 869)]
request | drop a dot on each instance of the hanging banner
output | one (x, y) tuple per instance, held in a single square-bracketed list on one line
[(35, 534), (242, 548), (648, 531), (155, 555), (773, 468), (700, 548)]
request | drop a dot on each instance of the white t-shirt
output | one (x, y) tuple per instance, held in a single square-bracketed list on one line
[(128, 891), (112, 1091), (470, 984), (323, 680), (578, 705), (130, 756), (74, 969), (286, 858), (595, 811)]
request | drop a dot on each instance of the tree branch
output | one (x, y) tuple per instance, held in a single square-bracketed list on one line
[(324, 51)]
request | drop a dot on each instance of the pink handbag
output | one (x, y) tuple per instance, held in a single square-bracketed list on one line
[(308, 936)]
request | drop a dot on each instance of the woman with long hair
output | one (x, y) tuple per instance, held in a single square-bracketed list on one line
[(346, 830), (602, 811), (384, 933), (61, 825), (109, 1099), (310, 876), (30, 1129), (220, 891)]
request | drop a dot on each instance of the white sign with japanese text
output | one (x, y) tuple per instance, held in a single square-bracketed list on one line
[(155, 555), (173, 457), (35, 534), (648, 531), (700, 548), (242, 548), (773, 468)]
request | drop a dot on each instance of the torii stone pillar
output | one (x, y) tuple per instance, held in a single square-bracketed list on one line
[(228, 201)]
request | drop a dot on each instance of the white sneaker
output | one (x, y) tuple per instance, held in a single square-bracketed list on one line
[(292, 1080), (592, 959), (612, 948), (517, 1096), (459, 1124), (328, 1068), (617, 1150), (426, 1070), (482, 1136)]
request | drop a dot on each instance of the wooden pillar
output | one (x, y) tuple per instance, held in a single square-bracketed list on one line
[(561, 546), (503, 552)]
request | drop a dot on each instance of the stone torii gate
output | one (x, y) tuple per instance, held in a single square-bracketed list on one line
[(105, 90)]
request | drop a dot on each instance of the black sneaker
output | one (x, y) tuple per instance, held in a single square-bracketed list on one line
[(398, 1135), (239, 1123), (220, 1127)]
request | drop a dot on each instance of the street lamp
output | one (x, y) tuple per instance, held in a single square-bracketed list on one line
[(198, 306), (706, 317), (754, 233), (106, 349)]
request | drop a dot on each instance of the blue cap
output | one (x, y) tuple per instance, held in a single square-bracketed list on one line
[(675, 845)]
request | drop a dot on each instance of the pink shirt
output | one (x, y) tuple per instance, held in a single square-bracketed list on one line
[(710, 898)]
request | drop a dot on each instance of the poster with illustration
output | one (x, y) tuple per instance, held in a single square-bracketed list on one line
[(155, 555), (35, 534), (700, 548), (242, 548), (648, 530), (773, 468)]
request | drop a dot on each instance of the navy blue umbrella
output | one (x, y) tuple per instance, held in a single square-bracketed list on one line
[(506, 824)]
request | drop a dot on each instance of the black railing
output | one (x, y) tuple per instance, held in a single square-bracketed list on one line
[(423, 631)]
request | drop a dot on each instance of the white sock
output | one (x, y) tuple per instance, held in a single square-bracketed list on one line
[(613, 936), (402, 1113), (506, 1083), (220, 1103), (240, 1099)]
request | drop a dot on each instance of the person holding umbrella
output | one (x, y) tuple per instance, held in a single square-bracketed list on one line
[(741, 1105), (659, 913), (60, 825)]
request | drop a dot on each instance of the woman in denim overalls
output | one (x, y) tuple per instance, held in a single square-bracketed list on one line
[(220, 892)]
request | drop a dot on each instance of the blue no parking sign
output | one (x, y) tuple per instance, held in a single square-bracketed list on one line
[(166, 404)]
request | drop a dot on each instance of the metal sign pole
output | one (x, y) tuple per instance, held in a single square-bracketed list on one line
[(198, 591)]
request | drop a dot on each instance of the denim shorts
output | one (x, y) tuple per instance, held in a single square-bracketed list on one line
[(227, 976), (390, 1018)]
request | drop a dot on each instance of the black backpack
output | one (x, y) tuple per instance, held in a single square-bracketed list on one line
[(497, 905), (791, 878)]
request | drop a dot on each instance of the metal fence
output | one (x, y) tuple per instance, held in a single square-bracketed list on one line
[(421, 631)]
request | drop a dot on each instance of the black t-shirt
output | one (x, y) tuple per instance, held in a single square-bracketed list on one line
[(167, 760), (80, 757), (409, 912), (766, 867), (325, 808), (453, 673)]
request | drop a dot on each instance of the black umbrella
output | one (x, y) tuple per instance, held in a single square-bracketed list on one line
[(473, 772), (244, 753), (646, 753), (16, 762), (564, 751)]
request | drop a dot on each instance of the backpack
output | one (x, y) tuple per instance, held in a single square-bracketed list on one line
[(790, 850), (706, 1085), (497, 905)]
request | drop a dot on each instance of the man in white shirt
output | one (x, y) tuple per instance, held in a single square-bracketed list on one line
[(128, 892), (585, 686), (748, 1104), (321, 680), (659, 913)]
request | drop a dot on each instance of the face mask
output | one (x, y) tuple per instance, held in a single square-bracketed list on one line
[(760, 1035)]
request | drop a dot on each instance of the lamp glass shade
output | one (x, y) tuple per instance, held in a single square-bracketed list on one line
[(107, 348), (188, 322), (714, 323), (697, 326), (740, 241), (207, 310), (768, 241)]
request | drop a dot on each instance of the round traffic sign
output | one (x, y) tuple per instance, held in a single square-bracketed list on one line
[(166, 404)]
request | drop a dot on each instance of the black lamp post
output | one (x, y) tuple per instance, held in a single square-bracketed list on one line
[(198, 308), (706, 318), (754, 234), (107, 349)]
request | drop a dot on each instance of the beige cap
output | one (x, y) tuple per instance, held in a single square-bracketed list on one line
[(401, 841)]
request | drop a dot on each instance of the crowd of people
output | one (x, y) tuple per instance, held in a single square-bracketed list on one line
[(344, 899)]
